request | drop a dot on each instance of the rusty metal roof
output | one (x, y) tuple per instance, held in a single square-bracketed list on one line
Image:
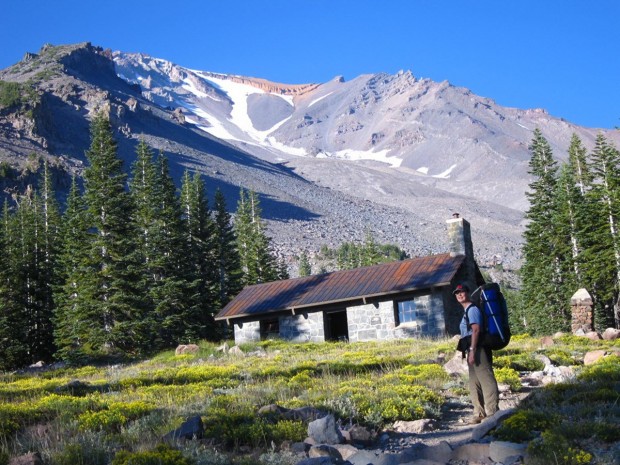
[(341, 286)]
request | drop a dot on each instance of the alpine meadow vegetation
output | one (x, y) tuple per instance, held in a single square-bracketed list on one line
[(107, 414)]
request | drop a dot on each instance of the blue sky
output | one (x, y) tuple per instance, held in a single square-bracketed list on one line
[(560, 55)]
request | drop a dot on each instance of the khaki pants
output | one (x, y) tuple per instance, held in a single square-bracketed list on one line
[(482, 384)]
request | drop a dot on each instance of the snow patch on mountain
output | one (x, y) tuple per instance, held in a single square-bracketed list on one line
[(319, 99), (349, 154), (238, 94), (446, 173)]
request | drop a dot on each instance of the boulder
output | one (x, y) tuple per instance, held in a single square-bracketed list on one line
[(359, 435), (319, 461), (325, 431), (611, 334), (186, 349), (324, 450), (546, 341), (506, 452), (346, 450), (415, 427), (236, 351), (593, 336), (441, 452), (490, 423), (593, 356), (472, 453), (192, 428), (456, 365), (365, 457)]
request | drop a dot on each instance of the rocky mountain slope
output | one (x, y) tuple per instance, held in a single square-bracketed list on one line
[(392, 155)]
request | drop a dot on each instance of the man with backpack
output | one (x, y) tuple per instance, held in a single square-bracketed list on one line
[(482, 383)]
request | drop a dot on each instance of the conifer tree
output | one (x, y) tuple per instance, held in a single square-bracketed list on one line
[(603, 240), (13, 322), (72, 263), (164, 259), (199, 234), (370, 251), (304, 265), (541, 270), (109, 304), (257, 261), (567, 244), (49, 238), (229, 275)]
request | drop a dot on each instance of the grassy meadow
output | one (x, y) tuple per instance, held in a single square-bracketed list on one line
[(118, 414)]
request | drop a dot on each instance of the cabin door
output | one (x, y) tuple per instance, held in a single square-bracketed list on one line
[(336, 326)]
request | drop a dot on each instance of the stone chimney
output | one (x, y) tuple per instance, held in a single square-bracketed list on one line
[(459, 235)]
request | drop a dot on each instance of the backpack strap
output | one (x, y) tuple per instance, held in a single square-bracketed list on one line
[(467, 316)]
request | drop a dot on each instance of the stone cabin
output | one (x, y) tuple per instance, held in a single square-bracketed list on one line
[(403, 299)]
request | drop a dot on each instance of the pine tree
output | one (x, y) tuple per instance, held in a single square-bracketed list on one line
[(49, 239), (199, 237), (541, 270), (172, 313), (258, 263), (603, 240), (567, 244), (229, 274), (13, 322), (304, 265), (370, 251), (72, 264), (109, 297)]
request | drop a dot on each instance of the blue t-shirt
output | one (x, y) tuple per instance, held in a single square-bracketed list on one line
[(475, 317)]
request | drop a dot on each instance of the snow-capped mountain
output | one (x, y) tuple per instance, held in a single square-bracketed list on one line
[(439, 135), (390, 155)]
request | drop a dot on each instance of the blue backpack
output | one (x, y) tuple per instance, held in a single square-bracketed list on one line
[(495, 331)]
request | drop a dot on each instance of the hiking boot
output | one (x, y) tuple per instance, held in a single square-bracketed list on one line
[(475, 420)]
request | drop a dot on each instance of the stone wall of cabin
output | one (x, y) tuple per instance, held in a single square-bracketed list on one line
[(306, 327), (378, 321), (371, 322), (248, 331), (368, 322)]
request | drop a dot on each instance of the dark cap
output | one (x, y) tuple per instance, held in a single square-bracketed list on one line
[(460, 288)]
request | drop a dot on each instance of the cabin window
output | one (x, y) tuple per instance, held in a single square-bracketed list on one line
[(407, 311), (270, 328), (413, 310)]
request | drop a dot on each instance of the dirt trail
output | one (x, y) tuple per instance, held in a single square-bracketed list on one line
[(453, 426)]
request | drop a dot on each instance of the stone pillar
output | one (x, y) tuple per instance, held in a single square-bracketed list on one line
[(582, 311)]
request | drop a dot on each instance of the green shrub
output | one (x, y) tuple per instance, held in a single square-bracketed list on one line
[(113, 417), (523, 426), (508, 376), (424, 374), (161, 455), (607, 370), (561, 357), (10, 94), (519, 362), (553, 448), (80, 454)]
